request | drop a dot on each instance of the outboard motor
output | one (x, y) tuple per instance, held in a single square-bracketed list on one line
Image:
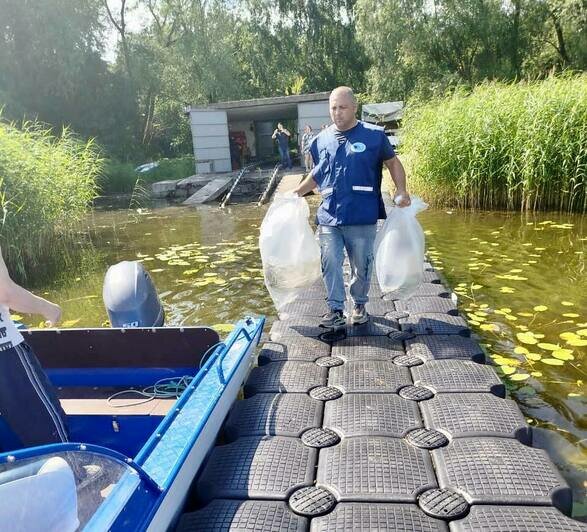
[(130, 297)]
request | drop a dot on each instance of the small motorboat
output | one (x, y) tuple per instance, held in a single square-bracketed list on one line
[(145, 403)]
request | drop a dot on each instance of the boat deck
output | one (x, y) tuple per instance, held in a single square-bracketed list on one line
[(395, 425)]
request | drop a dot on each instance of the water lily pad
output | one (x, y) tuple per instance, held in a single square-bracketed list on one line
[(527, 338), (507, 290), (489, 327), (563, 354), (540, 308), (568, 335), (533, 356), (582, 332), (520, 377), (549, 347), (507, 370), (571, 315), (223, 327), (577, 342), (553, 361), (567, 303), (520, 350)]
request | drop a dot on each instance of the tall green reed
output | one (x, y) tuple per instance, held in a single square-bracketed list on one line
[(47, 184), (502, 146)]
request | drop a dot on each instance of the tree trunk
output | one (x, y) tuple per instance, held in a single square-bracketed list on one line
[(561, 47), (515, 55)]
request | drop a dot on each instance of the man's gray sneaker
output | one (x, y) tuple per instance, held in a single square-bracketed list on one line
[(333, 320), (359, 315)]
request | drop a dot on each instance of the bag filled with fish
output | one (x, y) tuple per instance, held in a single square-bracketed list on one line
[(289, 250), (399, 251)]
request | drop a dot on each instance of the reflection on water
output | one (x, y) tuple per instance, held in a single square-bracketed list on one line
[(520, 280)]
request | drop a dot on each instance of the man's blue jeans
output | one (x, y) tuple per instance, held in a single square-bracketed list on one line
[(358, 241), (284, 156)]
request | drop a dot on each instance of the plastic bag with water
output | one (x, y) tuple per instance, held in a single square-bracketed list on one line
[(399, 251), (289, 251)]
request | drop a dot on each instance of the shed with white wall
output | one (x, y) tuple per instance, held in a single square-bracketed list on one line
[(210, 125)]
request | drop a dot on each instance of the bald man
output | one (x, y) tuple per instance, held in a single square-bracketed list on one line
[(348, 161)]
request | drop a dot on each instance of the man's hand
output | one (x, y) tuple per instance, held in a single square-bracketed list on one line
[(52, 314), (402, 199)]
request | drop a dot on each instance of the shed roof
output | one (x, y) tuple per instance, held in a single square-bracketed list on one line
[(263, 108)]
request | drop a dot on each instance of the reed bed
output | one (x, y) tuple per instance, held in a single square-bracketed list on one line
[(502, 146), (47, 184)]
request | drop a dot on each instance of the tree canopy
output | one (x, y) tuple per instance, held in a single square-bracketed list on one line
[(53, 66)]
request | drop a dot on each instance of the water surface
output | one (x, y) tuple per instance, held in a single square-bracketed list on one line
[(520, 281)]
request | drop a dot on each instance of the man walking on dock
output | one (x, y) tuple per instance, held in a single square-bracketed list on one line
[(348, 160)]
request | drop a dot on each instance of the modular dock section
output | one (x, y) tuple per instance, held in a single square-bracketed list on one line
[(395, 425)]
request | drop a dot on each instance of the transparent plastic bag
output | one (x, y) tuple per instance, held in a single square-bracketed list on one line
[(289, 251), (399, 251)]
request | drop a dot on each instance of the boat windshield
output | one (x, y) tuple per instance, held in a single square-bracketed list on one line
[(59, 491)]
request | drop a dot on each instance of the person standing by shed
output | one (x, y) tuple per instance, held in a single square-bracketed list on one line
[(307, 138), (282, 136), (349, 156)]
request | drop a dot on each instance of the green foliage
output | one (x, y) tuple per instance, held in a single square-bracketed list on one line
[(420, 47), (516, 146), (47, 184), (177, 168), (120, 178), (117, 178), (186, 52)]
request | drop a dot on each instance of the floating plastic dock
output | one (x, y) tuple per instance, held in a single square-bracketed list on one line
[(394, 425)]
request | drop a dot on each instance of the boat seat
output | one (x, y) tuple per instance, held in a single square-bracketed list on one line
[(92, 400), (39, 496)]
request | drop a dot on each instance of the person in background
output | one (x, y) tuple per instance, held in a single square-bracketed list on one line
[(282, 136), (28, 401), (305, 147), (348, 161)]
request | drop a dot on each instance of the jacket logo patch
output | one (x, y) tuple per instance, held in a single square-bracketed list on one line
[(358, 147)]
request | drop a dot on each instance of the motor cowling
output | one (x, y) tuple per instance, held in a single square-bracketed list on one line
[(130, 296)]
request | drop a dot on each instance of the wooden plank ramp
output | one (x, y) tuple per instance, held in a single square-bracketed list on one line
[(289, 181), (210, 191)]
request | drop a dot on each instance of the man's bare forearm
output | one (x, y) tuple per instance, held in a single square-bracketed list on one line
[(21, 300), (17, 298), (306, 186), (398, 174)]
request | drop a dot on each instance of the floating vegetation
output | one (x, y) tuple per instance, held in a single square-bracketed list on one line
[(531, 333)]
